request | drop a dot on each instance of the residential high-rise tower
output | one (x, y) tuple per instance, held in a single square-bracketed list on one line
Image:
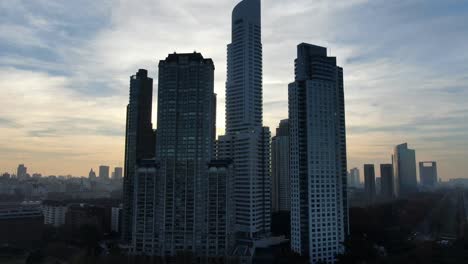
[(318, 167), (247, 142), (139, 141), (184, 148)]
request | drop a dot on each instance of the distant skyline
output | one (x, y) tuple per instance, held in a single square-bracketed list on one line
[(65, 67)]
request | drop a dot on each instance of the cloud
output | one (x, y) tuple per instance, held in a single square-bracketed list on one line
[(65, 67)]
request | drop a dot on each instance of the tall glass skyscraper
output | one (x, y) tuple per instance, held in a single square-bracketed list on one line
[(185, 146), (247, 142), (139, 140), (319, 208)]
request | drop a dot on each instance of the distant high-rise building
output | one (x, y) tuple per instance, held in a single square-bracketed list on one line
[(369, 183), (404, 170), (247, 142), (428, 174), (281, 182), (139, 140), (387, 182), (185, 146), (318, 166), (92, 175), (103, 172), (22, 172), (354, 179), (117, 173)]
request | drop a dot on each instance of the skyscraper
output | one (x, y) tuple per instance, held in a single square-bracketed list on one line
[(139, 140), (386, 175), (354, 178), (319, 209), (428, 174), (21, 172), (281, 183), (103, 172), (369, 183), (246, 142), (404, 169), (185, 146)]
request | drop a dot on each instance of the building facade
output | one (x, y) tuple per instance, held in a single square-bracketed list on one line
[(221, 218), (145, 237), (404, 169), (319, 209), (281, 182), (139, 141), (54, 213), (185, 146), (116, 219)]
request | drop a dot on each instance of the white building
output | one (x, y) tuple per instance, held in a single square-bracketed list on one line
[(54, 213), (319, 209)]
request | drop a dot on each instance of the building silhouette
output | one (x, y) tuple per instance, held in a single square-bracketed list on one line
[(319, 209), (185, 146), (103, 172), (139, 141), (247, 142), (281, 182), (386, 176), (21, 172), (369, 183), (428, 174), (404, 170), (118, 173)]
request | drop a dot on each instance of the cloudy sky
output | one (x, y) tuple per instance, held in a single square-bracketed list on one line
[(65, 67)]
